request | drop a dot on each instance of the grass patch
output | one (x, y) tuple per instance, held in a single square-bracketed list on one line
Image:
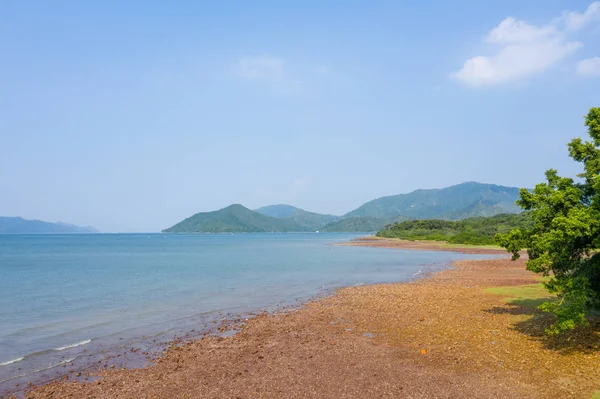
[(441, 244), (596, 395), (448, 245), (528, 295)]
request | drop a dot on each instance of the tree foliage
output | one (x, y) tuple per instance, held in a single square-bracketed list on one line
[(472, 231), (363, 223), (565, 237)]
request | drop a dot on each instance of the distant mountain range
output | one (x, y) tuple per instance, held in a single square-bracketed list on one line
[(451, 203), (18, 225)]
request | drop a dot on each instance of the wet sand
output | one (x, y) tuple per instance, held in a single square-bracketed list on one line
[(443, 336)]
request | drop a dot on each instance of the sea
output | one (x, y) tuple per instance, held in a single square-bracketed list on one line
[(83, 301)]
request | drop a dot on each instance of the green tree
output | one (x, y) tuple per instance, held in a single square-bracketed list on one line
[(564, 240)]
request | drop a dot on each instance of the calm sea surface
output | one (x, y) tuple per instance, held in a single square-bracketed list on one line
[(76, 299)]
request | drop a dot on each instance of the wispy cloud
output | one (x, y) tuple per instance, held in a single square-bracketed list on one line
[(279, 75), (267, 68), (589, 67), (524, 49), (301, 182), (322, 70), (288, 191)]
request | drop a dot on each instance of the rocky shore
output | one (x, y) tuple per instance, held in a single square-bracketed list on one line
[(466, 332)]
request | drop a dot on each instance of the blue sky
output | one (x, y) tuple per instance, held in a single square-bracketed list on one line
[(130, 116)]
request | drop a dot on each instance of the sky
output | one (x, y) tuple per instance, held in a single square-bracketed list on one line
[(131, 116)]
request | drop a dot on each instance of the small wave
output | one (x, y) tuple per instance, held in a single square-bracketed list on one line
[(38, 370), (62, 348), (12, 361)]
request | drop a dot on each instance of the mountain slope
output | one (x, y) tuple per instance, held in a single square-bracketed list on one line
[(455, 202), (18, 225), (233, 219), (308, 220)]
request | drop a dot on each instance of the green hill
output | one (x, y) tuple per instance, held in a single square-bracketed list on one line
[(451, 203), (457, 202), (233, 219), (475, 231), (18, 225), (308, 220)]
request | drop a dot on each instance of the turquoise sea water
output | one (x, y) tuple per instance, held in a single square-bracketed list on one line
[(76, 299)]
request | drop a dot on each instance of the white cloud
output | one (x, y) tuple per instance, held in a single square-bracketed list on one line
[(577, 21), (589, 67), (268, 68), (515, 61), (524, 49), (512, 31)]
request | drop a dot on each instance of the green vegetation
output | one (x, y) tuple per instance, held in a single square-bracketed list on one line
[(564, 239), (308, 220), (528, 296), (472, 231), (17, 225), (233, 219), (451, 203), (356, 224)]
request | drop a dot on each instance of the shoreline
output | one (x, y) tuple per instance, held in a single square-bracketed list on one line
[(395, 243), (405, 339), (78, 362), (142, 352)]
